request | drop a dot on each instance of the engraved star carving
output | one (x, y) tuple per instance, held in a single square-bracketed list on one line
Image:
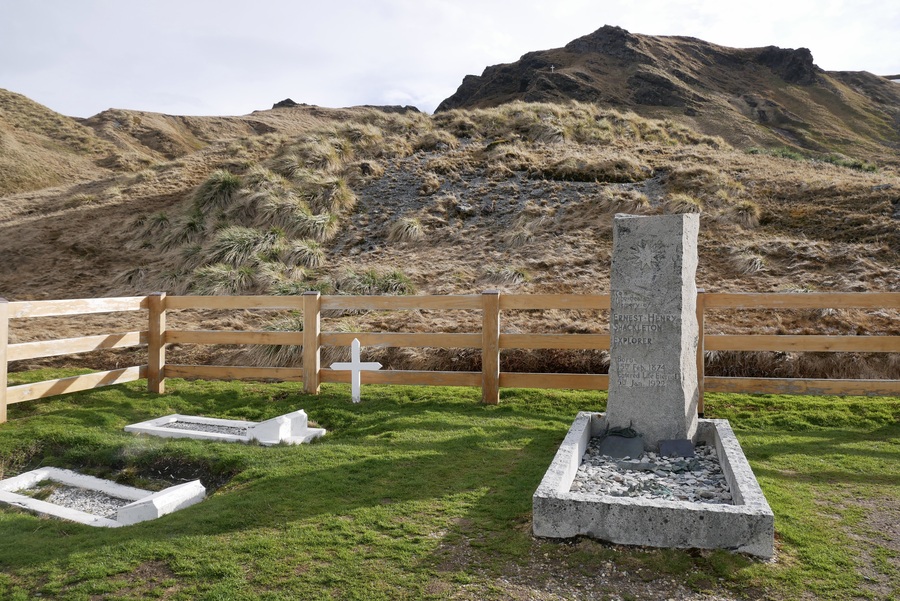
[(645, 255)]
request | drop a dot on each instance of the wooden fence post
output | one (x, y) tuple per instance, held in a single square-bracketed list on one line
[(156, 343), (4, 341), (490, 347), (701, 344), (312, 352)]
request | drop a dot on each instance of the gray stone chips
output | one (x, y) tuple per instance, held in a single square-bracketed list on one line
[(653, 476), (200, 427)]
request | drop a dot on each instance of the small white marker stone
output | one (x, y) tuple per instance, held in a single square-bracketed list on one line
[(355, 366)]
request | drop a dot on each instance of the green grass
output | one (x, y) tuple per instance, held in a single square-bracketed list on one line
[(420, 493), (835, 159)]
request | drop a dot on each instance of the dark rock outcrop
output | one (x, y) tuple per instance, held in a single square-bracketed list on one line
[(793, 66), (285, 104), (754, 96), (611, 41)]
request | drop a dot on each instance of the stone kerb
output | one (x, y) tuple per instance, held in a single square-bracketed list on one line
[(654, 333), (145, 505)]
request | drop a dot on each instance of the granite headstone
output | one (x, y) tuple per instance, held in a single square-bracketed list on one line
[(654, 333)]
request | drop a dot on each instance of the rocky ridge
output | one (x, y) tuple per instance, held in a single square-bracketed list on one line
[(765, 96)]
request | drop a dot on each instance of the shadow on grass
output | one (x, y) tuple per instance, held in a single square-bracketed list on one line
[(391, 449), (837, 456)]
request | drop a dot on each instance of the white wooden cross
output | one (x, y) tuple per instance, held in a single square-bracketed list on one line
[(355, 367)]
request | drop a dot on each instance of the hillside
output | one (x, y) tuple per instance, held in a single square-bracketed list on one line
[(758, 96), (387, 200)]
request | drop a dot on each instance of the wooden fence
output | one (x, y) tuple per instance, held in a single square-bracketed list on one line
[(490, 340)]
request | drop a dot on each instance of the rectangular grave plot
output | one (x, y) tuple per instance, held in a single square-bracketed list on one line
[(290, 428), (191, 426), (746, 526), (93, 501)]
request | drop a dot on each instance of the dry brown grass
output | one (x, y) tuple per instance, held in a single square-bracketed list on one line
[(405, 230), (683, 203), (615, 169), (523, 201)]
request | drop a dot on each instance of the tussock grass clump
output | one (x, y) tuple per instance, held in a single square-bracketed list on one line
[(223, 279), (322, 153), (746, 213), (328, 193), (191, 255), (298, 287), (781, 152), (270, 208), (457, 122), (321, 227), (272, 273), (746, 262), (534, 221), (174, 281), (517, 237), (431, 183), (375, 282), (307, 253), (151, 227), (437, 139), (506, 275), (620, 169), (217, 192), (187, 230), (84, 199), (365, 137), (513, 155), (597, 132), (683, 203), (697, 180), (406, 229), (236, 244), (621, 201), (278, 355), (134, 278), (261, 178), (361, 171)]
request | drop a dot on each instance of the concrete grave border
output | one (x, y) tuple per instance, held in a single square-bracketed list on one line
[(290, 428), (747, 526), (146, 505)]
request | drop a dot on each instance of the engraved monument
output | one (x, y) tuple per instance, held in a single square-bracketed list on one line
[(652, 415), (653, 327)]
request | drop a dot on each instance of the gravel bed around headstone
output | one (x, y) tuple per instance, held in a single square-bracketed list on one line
[(198, 427), (650, 476), (81, 499)]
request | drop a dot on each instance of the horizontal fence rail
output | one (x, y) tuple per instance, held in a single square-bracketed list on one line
[(491, 341), (10, 395), (806, 343), (70, 346)]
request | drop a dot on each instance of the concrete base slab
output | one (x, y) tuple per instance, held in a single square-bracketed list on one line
[(747, 526), (145, 505), (290, 428)]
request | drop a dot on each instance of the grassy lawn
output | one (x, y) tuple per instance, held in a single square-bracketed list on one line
[(420, 493)]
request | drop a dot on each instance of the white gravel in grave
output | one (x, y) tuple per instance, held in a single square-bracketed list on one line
[(699, 479), (81, 499), (198, 427)]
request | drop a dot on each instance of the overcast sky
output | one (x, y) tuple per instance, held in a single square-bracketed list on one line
[(225, 57)]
